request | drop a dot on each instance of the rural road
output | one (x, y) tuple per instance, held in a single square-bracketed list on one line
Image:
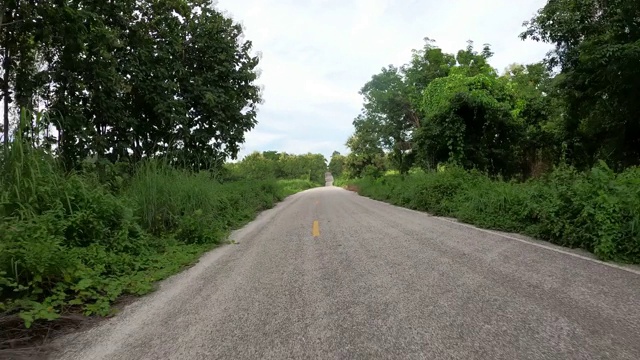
[(328, 274)]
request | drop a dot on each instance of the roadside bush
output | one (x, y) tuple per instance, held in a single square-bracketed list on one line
[(76, 242), (54, 232), (598, 211), (274, 165), (290, 187)]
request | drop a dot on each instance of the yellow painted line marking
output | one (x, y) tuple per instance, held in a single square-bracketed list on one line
[(316, 229)]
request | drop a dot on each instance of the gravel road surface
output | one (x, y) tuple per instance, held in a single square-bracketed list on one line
[(375, 282)]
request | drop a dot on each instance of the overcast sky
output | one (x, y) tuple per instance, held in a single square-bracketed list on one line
[(317, 54)]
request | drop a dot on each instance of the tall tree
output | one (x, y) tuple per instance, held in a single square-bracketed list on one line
[(426, 65), (538, 110), (470, 122), (367, 155), (217, 84), (132, 78), (336, 164), (6, 95), (388, 108), (393, 109), (597, 49)]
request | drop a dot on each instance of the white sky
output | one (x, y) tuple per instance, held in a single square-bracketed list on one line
[(317, 54)]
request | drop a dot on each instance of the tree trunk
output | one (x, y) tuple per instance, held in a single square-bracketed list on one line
[(5, 97), (1, 12), (6, 138)]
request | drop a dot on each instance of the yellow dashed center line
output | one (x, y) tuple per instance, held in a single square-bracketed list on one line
[(315, 229)]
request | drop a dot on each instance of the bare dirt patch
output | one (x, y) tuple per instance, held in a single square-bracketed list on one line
[(353, 188)]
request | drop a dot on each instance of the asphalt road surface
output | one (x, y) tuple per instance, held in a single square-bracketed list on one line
[(328, 274)]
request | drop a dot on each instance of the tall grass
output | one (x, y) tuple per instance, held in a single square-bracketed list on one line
[(69, 242), (197, 209), (598, 211)]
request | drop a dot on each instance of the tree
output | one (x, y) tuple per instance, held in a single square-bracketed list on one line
[(426, 65), (336, 164), (538, 110), (472, 63), (597, 49), (469, 122), (393, 111), (366, 155), (217, 85), (133, 78), (388, 109), (271, 164)]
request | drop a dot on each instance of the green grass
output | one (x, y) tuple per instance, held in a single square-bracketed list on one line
[(290, 187), (598, 211), (77, 242)]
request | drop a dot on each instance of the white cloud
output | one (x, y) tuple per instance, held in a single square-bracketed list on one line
[(316, 54), (259, 138)]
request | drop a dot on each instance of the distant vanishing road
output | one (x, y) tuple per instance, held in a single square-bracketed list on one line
[(328, 274)]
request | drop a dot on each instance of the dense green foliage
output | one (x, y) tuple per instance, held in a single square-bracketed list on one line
[(565, 132), (577, 106), (337, 164), (443, 108), (80, 240), (274, 165), (119, 118), (597, 210), (129, 79), (597, 48), (468, 122)]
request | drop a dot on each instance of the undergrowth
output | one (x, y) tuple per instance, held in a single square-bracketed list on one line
[(598, 211), (76, 242)]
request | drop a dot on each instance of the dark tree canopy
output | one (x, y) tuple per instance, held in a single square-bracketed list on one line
[(597, 51), (123, 80)]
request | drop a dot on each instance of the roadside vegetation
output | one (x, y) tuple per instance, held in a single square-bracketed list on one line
[(74, 242), (550, 149), (596, 210), (122, 124)]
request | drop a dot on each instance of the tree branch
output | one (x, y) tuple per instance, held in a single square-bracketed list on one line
[(9, 23)]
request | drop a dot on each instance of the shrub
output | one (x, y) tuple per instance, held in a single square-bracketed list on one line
[(598, 211), (78, 241), (62, 238)]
